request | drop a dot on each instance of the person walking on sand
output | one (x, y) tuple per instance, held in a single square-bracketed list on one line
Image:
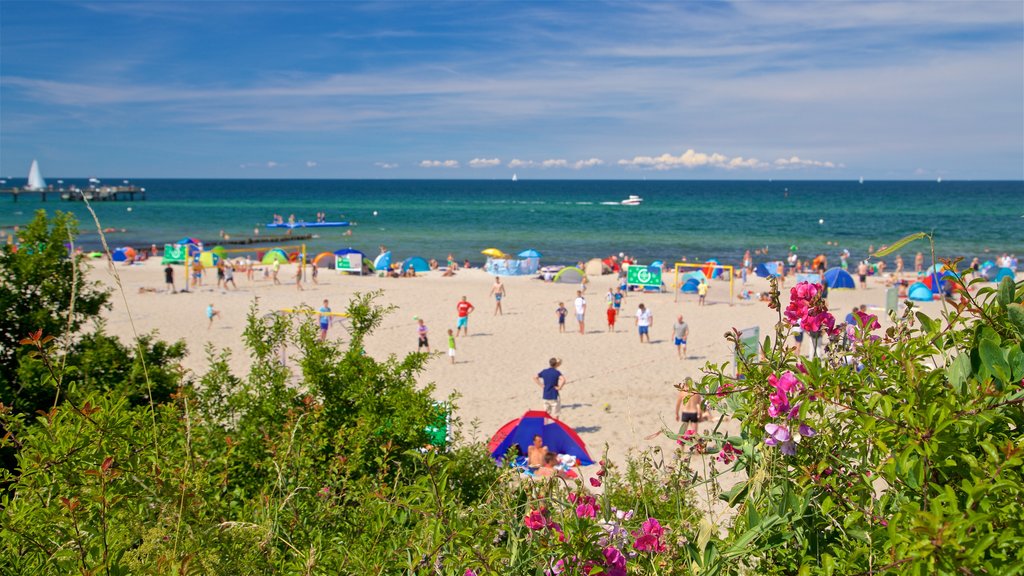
[(274, 269), (581, 309), (451, 345), (210, 315), (862, 273), (561, 312), (464, 309), (498, 291), (689, 407), (644, 321), (197, 274), (551, 381), (680, 333), (612, 313), (421, 333), (298, 277), (325, 319), (313, 273), (702, 291), (169, 279)]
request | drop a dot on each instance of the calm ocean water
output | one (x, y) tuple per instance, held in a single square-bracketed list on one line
[(568, 220)]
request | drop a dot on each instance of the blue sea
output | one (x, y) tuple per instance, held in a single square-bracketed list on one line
[(566, 221)]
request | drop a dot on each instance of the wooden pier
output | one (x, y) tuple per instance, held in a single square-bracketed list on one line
[(92, 194)]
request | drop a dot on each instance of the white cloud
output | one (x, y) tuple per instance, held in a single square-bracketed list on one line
[(517, 163), (385, 165), (484, 162), (272, 164), (797, 162), (311, 164), (554, 163), (439, 164), (691, 159), (588, 163)]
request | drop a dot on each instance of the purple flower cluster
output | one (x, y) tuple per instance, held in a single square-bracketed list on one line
[(786, 387)]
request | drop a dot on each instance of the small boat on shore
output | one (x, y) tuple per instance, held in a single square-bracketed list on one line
[(633, 200)]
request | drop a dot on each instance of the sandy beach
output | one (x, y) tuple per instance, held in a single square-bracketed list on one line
[(619, 390)]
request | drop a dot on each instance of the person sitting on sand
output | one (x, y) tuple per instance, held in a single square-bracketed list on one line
[(547, 469), (536, 453)]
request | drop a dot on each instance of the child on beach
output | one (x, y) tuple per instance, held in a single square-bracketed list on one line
[(211, 314), (702, 292), (325, 320), (561, 312), (451, 345), (612, 312), (298, 277), (421, 332)]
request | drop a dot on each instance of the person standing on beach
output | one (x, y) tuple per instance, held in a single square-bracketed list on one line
[(298, 276), (464, 309), (702, 291), (918, 263), (325, 319), (581, 308), (220, 273), (229, 276), (680, 333), (689, 408), (644, 321), (210, 315), (451, 345), (552, 381), (169, 279), (561, 312), (617, 301), (498, 291), (197, 274), (612, 313), (899, 266), (862, 272), (421, 333), (274, 269), (313, 273)]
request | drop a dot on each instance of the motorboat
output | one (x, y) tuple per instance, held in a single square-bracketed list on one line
[(633, 200)]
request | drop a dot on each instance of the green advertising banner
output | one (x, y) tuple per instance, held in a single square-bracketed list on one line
[(750, 345), (343, 263), (643, 276), (173, 253)]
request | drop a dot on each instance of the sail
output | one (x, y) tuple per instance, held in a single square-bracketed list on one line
[(35, 179)]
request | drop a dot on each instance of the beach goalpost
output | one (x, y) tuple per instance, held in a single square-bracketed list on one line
[(677, 286)]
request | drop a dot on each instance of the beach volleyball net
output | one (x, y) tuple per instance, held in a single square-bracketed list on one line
[(688, 276)]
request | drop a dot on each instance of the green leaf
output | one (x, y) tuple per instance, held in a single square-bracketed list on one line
[(898, 244), (959, 371), (1016, 313), (926, 322), (1006, 291), (994, 359)]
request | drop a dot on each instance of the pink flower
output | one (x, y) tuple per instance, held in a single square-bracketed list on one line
[(779, 436), (727, 453), (869, 321), (786, 383), (614, 558), (587, 510), (648, 538), (469, 573), (535, 520), (595, 482)]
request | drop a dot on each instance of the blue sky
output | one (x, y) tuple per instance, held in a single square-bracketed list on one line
[(702, 90)]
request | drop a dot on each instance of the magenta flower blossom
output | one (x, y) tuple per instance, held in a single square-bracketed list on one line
[(727, 453), (587, 510), (787, 382), (469, 573), (614, 558), (807, 431), (869, 321), (535, 520)]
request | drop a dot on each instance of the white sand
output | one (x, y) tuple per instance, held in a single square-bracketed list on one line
[(618, 390)]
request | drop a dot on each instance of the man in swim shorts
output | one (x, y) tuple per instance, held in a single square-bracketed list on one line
[(498, 291), (680, 332), (581, 308), (644, 320), (464, 309), (692, 407)]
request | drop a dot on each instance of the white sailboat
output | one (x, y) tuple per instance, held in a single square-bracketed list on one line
[(35, 179), (861, 179), (515, 177)]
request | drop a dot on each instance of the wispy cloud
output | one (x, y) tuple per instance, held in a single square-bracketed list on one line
[(439, 164), (484, 162), (386, 165), (691, 159), (312, 163), (797, 162)]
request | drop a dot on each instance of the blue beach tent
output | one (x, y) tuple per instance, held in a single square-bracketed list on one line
[(557, 435), (690, 281), (920, 292), (839, 279), (767, 269), (416, 263), (1003, 273)]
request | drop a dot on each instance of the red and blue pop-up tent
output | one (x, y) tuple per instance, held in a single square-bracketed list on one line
[(559, 437)]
